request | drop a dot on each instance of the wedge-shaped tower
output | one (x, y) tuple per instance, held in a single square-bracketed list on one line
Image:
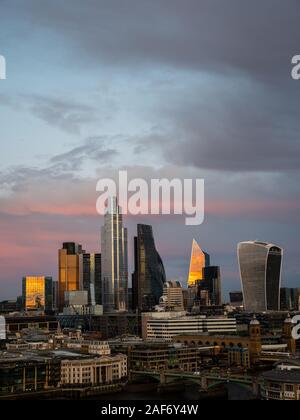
[(199, 260)]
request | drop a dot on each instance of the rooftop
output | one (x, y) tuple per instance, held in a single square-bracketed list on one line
[(286, 376)]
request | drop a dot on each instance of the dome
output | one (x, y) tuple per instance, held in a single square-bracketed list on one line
[(254, 321)]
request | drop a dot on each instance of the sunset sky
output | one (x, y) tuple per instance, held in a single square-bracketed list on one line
[(161, 88)]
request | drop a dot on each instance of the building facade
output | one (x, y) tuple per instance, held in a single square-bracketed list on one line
[(212, 283), (199, 260), (37, 292), (70, 276), (260, 270), (172, 299), (149, 275), (165, 326), (282, 383), (94, 371), (114, 260)]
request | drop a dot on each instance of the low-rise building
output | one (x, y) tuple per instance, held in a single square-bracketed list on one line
[(94, 371), (167, 357), (166, 326), (282, 383)]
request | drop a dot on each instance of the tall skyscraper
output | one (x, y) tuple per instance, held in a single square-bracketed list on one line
[(114, 259), (149, 275), (37, 292), (70, 277), (92, 278), (212, 283), (260, 270), (199, 260)]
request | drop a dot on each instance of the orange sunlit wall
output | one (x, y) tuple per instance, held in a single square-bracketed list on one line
[(69, 274), (35, 293), (199, 260)]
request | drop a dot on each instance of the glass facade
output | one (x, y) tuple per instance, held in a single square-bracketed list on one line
[(212, 283), (199, 260), (38, 293), (260, 270), (114, 260), (149, 275), (70, 270)]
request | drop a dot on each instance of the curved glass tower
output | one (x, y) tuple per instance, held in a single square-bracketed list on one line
[(149, 275), (260, 266)]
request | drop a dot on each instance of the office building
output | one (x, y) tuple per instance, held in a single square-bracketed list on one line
[(236, 299), (70, 270), (37, 293), (165, 357), (94, 371), (172, 299), (96, 277), (212, 284), (114, 259), (260, 270), (166, 325), (149, 274), (190, 298), (199, 260), (27, 373)]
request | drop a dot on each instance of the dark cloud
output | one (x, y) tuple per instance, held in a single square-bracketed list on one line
[(258, 37)]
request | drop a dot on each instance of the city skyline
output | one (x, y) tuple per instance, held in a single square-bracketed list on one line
[(93, 88)]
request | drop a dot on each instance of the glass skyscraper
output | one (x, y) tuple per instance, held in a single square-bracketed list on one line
[(37, 292), (199, 260), (149, 276), (212, 283), (260, 266), (70, 276), (114, 260)]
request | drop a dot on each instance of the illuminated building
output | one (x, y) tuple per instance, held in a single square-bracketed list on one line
[(199, 260), (70, 270), (260, 270), (114, 260), (149, 276), (37, 293)]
